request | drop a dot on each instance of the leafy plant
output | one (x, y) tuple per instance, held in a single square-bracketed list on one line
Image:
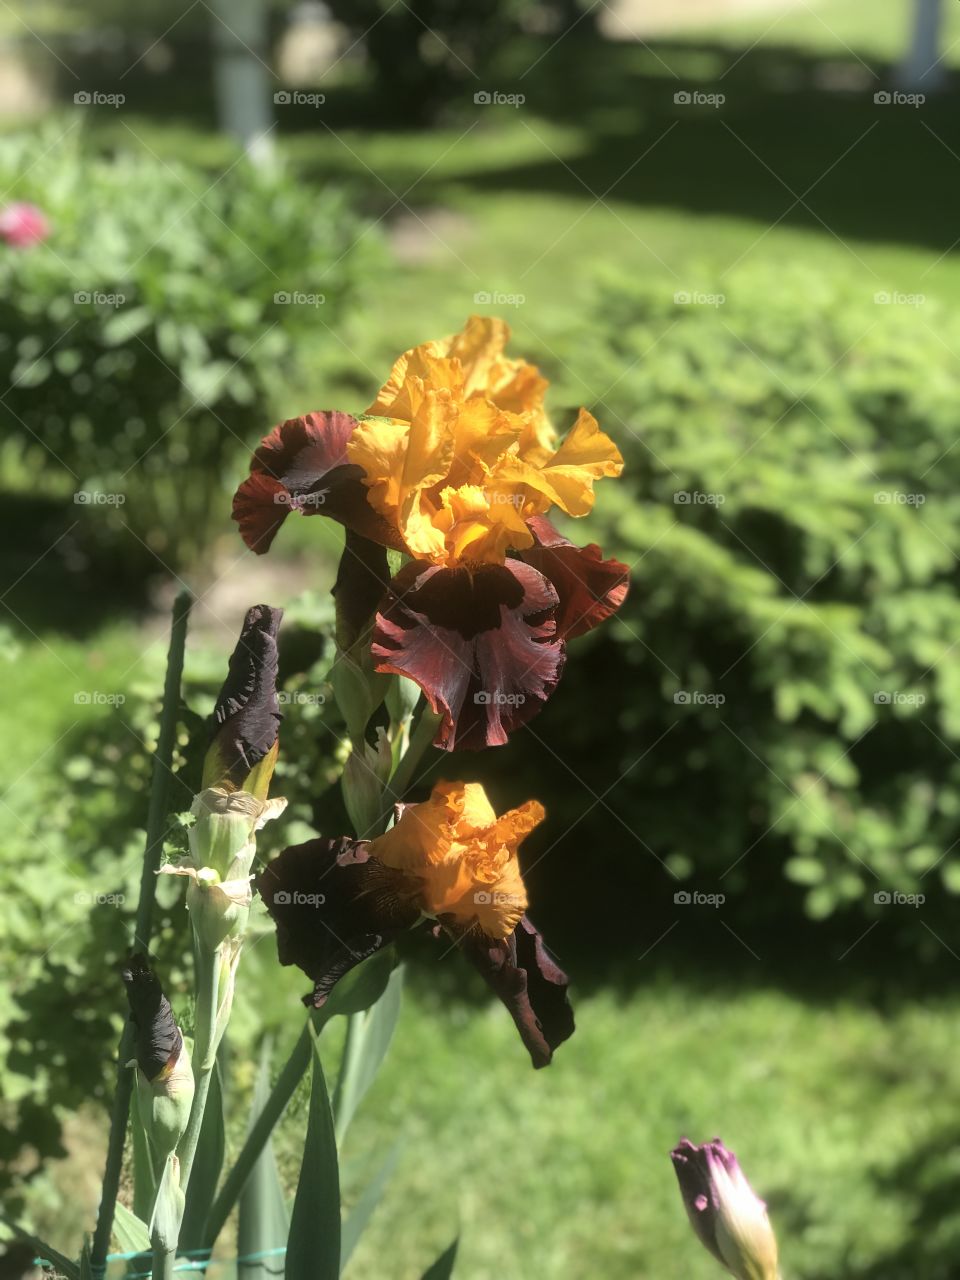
[(790, 513), (143, 340)]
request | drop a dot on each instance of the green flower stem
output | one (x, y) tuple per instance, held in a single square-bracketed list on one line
[(156, 825), (204, 1055), (294, 1070), (420, 740)]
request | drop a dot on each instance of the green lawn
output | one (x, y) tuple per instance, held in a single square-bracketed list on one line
[(564, 1172)]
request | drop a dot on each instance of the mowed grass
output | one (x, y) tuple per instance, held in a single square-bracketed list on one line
[(565, 1172)]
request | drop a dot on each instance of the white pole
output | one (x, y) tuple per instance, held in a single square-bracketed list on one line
[(242, 77), (922, 71)]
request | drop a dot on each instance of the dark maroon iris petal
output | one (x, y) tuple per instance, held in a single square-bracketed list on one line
[(362, 579), (158, 1040), (590, 588), (333, 906), (302, 466), (301, 451), (246, 717), (528, 982), (480, 640)]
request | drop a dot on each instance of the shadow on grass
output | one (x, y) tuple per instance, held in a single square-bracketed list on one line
[(797, 139), (929, 1181)]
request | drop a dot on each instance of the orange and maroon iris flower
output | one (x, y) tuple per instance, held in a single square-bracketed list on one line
[(456, 465), (451, 861)]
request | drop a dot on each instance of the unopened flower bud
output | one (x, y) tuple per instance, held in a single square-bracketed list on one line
[(246, 718), (729, 1219), (164, 1075), (219, 909), (222, 837)]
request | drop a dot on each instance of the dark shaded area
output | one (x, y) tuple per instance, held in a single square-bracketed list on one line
[(930, 1178), (49, 580), (771, 151)]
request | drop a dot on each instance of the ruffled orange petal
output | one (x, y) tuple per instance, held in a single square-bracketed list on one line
[(567, 477)]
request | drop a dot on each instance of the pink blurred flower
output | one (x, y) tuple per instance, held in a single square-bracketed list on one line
[(22, 225)]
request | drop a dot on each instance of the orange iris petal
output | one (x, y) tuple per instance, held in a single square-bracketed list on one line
[(464, 856), (458, 452)]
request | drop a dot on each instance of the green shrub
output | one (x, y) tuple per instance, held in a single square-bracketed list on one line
[(791, 510), (145, 343)]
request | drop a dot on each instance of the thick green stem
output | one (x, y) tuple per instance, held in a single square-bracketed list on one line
[(204, 1056), (156, 825), (293, 1072)]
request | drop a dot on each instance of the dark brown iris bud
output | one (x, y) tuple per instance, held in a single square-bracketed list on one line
[(246, 719), (165, 1084), (159, 1041)]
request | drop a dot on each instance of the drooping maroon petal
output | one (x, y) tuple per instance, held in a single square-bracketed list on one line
[(528, 982), (590, 588), (302, 466), (158, 1041), (260, 506), (480, 641), (333, 906), (246, 717)]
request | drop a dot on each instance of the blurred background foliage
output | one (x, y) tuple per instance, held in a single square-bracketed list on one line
[(758, 301)]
